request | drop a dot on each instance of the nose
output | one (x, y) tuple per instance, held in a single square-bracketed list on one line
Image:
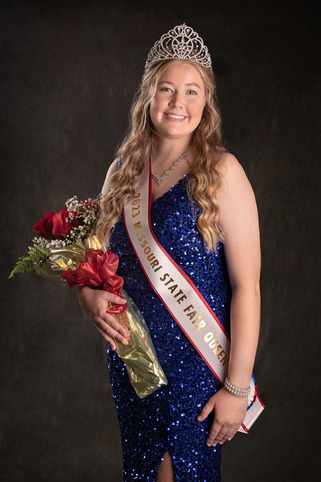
[(176, 100)]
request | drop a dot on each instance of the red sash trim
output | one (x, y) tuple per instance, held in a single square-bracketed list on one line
[(257, 406)]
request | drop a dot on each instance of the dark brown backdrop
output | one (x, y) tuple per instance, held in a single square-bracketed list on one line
[(69, 72)]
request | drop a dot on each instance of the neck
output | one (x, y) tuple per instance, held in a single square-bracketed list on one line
[(166, 151)]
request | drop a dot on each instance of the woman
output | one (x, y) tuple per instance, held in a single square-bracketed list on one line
[(204, 215)]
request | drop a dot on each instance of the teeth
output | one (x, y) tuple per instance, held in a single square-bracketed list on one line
[(176, 116)]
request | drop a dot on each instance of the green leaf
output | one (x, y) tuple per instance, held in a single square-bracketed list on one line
[(28, 263)]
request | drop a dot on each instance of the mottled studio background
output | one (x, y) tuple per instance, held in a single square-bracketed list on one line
[(69, 70)]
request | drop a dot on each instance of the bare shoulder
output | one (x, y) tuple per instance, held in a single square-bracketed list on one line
[(233, 176), (110, 172), (235, 196), (228, 166)]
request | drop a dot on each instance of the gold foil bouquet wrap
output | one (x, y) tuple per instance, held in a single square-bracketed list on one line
[(63, 253), (144, 370), (81, 265)]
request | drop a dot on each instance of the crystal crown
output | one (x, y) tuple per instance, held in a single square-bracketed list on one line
[(180, 43)]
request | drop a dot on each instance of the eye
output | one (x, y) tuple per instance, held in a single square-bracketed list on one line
[(192, 92), (165, 89)]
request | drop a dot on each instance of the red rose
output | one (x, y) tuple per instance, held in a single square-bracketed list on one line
[(60, 226), (44, 226), (53, 225)]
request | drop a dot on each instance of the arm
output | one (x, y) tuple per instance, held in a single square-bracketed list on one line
[(110, 172), (239, 220), (94, 302)]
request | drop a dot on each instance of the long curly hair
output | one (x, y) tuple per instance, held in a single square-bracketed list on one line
[(204, 179)]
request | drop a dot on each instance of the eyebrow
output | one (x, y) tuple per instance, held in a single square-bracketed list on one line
[(189, 84)]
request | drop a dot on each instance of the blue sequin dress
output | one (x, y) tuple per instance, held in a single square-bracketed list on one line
[(166, 420)]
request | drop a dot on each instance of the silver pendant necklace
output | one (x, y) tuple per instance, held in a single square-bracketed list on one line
[(160, 179)]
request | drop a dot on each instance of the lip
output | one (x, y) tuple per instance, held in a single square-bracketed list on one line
[(175, 117)]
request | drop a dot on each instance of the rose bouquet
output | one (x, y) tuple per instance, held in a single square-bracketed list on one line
[(66, 251)]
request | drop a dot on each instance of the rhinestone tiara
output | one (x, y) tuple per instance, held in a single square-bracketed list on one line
[(180, 43)]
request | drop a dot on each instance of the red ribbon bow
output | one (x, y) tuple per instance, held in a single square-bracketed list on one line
[(99, 271)]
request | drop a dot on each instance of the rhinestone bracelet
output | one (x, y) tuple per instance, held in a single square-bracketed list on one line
[(238, 392)]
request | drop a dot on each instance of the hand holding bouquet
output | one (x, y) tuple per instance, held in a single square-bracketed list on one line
[(64, 250)]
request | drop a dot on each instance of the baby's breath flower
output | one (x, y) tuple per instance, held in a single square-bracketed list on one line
[(82, 215)]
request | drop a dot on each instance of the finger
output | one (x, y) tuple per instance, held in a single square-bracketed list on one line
[(206, 410), (110, 341), (122, 332), (220, 437), (112, 327), (214, 431), (218, 431), (113, 333), (226, 433), (112, 298), (230, 435)]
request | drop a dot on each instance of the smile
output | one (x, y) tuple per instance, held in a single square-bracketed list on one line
[(173, 116)]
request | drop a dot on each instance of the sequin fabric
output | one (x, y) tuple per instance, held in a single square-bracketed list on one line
[(166, 420)]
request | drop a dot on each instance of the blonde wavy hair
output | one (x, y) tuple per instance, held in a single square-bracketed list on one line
[(206, 143)]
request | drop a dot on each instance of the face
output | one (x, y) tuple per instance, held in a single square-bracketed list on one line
[(177, 108)]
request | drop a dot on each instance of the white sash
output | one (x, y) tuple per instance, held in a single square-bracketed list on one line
[(178, 293)]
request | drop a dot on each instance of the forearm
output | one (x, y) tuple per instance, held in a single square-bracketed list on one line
[(229, 410), (245, 324)]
